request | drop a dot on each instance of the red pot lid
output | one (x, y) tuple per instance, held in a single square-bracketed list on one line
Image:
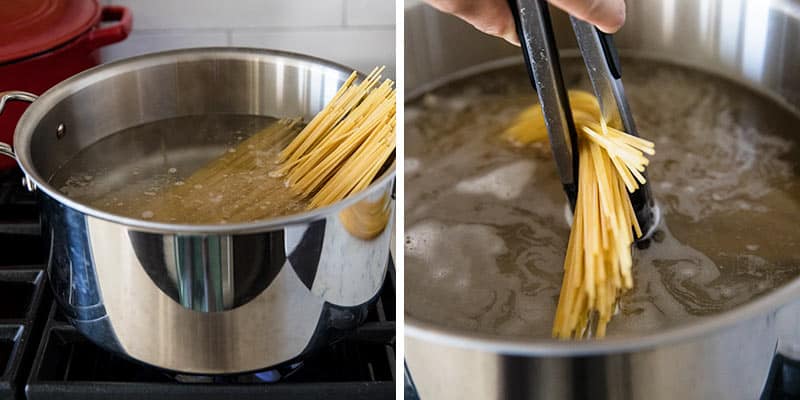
[(29, 27)]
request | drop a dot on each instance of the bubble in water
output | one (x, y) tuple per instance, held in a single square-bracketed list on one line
[(148, 193), (231, 150), (752, 247), (440, 273), (180, 183), (505, 182), (88, 177), (172, 170), (198, 186), (687, 271), (411, 165), (147, 214)]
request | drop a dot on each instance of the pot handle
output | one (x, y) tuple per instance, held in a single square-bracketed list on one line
[(5, 149), (114, 33)]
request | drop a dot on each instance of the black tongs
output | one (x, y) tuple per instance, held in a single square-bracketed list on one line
[(539, 48)]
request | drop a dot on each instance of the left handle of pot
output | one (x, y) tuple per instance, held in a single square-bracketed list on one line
[(5, 148), (5, 97)]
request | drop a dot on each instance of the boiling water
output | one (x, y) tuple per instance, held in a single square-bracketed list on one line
[(132, 172), (485, 227)]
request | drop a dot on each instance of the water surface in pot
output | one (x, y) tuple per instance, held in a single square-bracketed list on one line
[(135, 171), (485, 226)]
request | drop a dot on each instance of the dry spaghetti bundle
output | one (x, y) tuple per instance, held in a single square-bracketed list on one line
[(344, 147), (597, 266)]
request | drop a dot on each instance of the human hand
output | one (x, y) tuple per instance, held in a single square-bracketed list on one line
[(494, 16)]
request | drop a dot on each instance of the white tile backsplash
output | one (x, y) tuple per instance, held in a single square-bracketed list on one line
[(369, 12), (357, 33), (142, 42), (362, 49), (233, 14)]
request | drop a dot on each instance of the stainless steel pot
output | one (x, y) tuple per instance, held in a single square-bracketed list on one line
[(726, 356), (198, 298)]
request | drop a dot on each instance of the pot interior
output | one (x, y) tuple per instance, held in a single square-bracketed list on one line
[(155, 179), (485, 226), (162, 117)]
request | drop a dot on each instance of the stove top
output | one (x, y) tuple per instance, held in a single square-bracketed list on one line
[(43, 357)]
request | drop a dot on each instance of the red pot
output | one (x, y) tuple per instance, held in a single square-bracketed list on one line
[(51, 40)]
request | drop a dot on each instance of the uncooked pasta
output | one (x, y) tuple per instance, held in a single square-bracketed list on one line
[(346, 144), (597, 265)]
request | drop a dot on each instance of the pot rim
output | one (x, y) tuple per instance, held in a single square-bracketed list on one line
[(521, 346), (769, 302), (27, 124)]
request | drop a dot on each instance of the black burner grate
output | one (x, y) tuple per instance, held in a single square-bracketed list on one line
[(21, 294), (43, 357), (20, 236), (68, 366), (22, 284)]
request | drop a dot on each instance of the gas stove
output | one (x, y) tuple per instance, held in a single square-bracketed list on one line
[(43, 357)]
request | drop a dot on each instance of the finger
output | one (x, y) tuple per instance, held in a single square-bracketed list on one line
[(608, 15), (490, 16)]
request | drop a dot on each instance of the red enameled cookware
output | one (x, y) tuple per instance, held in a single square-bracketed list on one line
[(43, 42)]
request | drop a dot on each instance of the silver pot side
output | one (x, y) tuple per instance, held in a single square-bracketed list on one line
[(727, 356), (730, 364), (204, 299), (212, 303)]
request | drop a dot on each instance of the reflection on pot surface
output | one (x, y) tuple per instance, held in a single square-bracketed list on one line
[(214, 303)]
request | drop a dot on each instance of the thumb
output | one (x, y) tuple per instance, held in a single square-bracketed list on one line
[(490, 16), (608, 15)]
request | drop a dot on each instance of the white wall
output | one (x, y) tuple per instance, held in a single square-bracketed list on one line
[(356, 33)]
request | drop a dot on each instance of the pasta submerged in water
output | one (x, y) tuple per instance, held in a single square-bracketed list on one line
[(597, 266)]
